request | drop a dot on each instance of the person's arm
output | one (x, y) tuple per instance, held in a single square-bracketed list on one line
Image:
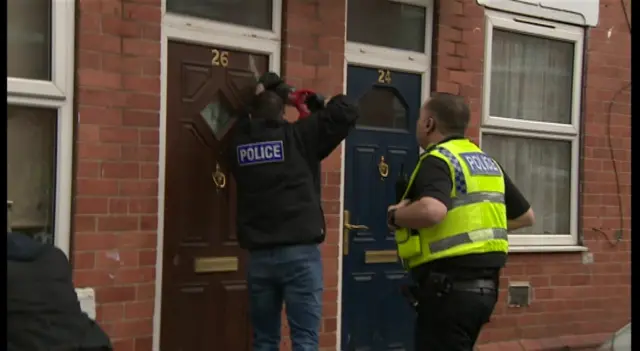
[(325, 129), (519, 212), (433, 186)]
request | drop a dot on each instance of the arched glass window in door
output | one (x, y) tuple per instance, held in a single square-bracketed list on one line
[(383, 107)]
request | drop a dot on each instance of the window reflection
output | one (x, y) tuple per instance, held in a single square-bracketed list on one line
[(386, 23), (29, 39), (250, 13), (31, 155)]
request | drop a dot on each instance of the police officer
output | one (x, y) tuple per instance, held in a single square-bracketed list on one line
[(279, 214), (451, 228)]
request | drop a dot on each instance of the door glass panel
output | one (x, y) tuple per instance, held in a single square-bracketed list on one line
[(382, 107), (218, 117), (250, 13), (386, 23), (29, 39)]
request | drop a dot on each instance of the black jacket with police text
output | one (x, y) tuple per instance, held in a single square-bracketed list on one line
[(276, 166)]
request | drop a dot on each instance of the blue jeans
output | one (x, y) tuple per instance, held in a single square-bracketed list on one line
[(291, 275)]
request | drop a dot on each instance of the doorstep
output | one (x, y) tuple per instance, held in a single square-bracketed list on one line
[(561, 343)]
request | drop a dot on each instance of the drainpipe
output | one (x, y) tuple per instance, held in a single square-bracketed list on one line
[(434, 47), (76, 117), (581, 131)]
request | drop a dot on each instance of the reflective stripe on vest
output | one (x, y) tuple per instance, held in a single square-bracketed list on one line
[(474, 198), (466, 238)]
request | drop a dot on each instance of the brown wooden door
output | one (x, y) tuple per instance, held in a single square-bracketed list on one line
[(204, 296)]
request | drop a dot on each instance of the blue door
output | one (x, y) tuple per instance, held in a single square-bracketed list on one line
[(375, 316)]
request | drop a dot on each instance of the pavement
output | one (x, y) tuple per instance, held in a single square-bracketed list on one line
[(590, 342)]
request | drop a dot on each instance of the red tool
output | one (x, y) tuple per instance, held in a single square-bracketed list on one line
[(298, 99)]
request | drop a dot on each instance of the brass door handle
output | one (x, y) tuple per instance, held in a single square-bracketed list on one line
[(355, 226), (383, 168), (347, 228)]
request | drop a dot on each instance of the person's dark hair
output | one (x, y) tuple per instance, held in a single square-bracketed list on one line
[(450, 111), (267, 105)]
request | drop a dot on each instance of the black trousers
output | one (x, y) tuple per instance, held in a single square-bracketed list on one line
[(451, 321)]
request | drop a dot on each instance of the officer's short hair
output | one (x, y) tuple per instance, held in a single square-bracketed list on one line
[(450, 111), (267, 105)]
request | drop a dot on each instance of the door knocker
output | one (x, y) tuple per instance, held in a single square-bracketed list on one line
[(219, 179), (383, 168)]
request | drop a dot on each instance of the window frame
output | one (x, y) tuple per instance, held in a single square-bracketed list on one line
[(228, 32), (62, 42), (504, 126), (538, 28), (56, 94), (405, 60)]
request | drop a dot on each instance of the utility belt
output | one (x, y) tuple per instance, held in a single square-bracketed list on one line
[(442, 284)]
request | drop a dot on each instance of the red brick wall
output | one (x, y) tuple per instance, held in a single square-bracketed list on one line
[(118, 99), (313, 57), (568, 297)]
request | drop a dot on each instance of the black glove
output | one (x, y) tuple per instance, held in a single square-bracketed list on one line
[(315, 102), (271, 81)]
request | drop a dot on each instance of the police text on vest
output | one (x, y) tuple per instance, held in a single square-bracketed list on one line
[(481, 164), (262, 152)]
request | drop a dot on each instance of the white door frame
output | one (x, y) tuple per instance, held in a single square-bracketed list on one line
[(395, 59), (206, 32)]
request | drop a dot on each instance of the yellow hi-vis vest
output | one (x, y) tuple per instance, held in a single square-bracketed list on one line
[(477, 220)]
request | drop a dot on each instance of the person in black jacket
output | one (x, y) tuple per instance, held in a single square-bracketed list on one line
[(43, 312), (279, 214)]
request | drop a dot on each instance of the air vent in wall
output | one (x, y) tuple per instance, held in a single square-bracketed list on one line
[(519, 294)]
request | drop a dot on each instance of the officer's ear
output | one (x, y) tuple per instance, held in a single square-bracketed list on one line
[(430, 125)]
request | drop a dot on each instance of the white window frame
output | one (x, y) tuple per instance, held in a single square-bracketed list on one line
[(188, 29), (402, 60), (56, 94), (498, 125), (209, 32), (376, 56)]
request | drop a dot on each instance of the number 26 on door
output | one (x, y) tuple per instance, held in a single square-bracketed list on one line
[(384, 76), (220, 58)]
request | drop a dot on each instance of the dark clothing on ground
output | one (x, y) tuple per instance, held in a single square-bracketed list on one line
[(43, 312), (278, 193), (452, 321)]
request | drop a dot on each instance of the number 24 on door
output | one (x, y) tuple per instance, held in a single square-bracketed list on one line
[(220, 58), (384, 76)]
